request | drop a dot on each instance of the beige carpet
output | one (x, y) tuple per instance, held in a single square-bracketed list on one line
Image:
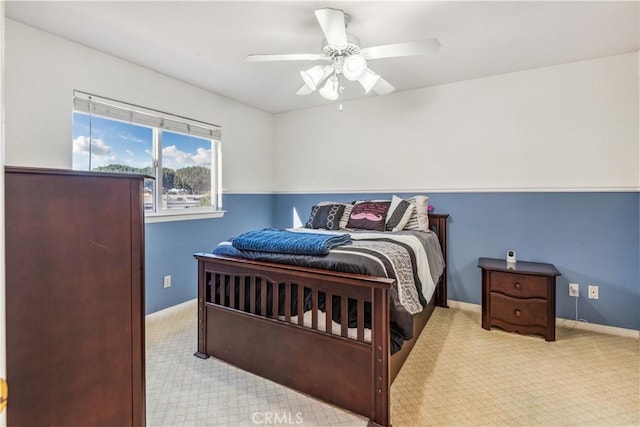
[(458, 374)]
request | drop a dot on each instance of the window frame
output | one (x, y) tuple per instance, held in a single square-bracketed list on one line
[(158, 122)]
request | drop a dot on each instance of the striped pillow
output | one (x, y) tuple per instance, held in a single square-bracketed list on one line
[(399, 214), (419, 219)]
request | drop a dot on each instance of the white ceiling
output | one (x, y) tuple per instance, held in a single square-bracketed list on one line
[(205, 43)]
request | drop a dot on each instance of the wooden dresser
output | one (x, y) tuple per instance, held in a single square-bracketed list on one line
[(520, 297), (75, 298)]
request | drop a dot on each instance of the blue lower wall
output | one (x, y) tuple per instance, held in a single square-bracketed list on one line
[(591, 238), (169, 246)]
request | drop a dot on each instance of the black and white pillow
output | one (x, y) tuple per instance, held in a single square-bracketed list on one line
[(325, 216), (399, 214), (345, 214), (419, 219)]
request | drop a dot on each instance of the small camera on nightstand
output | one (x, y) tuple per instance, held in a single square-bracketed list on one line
[(511, 256)]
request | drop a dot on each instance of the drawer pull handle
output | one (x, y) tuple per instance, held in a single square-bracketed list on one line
[(517, 285), (517, 312)]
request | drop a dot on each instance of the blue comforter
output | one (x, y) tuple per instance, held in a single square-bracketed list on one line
[(283, 241)]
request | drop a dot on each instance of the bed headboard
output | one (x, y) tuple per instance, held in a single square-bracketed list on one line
[(438, 224)]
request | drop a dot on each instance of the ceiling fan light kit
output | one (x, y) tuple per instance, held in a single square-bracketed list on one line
[(332, 89), (354, 67), (313, 76), (346, 58)]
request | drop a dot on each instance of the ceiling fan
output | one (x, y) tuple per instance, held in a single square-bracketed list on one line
[(346, 58)]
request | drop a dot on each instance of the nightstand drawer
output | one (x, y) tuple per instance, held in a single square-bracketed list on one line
[(519, 311), (518, 285)]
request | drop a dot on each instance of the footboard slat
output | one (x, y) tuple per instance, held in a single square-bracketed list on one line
[(287, 301), (275, 300), (223, 281), (300, 303), (329, 311), (263, 297), (242, 295), (232, 292), (252, 295), (344, 311), (360, 321), (314, 309)]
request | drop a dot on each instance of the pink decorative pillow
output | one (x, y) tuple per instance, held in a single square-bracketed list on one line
[(368, 216)]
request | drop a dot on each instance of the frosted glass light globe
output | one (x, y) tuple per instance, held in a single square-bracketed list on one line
[(354, 67)]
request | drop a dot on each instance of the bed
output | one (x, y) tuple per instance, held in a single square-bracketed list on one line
[(300, 345)]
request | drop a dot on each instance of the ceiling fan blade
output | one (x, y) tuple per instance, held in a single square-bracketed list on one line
[(333, 26), (304, 90), (286, 57), (418, 47), (383, 87)]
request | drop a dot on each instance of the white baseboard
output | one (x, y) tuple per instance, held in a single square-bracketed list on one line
[(563, 323), (595, 327), (157, 315), (466, 306)]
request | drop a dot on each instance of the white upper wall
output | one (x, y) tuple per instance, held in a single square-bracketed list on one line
[(571, 126), (42, 70)]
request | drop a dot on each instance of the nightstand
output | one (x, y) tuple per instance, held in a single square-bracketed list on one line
[(520, 297)]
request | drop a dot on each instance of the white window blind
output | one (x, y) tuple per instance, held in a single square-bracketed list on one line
[(112, 109)]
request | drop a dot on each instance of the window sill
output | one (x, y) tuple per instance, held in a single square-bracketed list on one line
[(151, 218)]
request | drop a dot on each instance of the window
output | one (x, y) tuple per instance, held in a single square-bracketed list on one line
[(182, 155)]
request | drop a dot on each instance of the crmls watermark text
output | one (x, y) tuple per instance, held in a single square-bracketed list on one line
[(280, 418)]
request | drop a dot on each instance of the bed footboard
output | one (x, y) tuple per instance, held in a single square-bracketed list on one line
[(252, 315)]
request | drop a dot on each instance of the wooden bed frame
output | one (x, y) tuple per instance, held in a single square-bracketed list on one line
[(353, 374)]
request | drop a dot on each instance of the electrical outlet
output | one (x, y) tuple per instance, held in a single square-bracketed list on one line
[(167, 281), (574, 290), (593, 292)]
